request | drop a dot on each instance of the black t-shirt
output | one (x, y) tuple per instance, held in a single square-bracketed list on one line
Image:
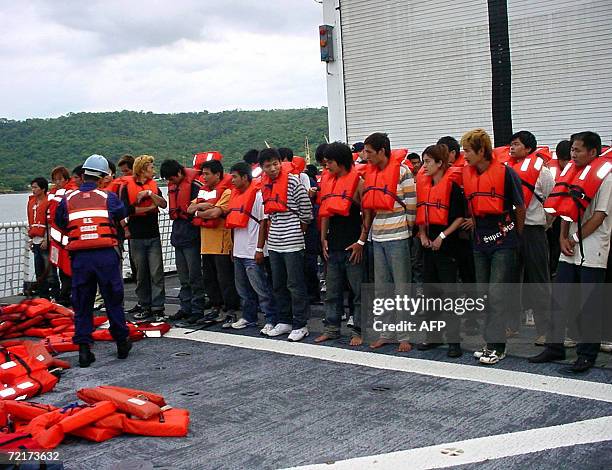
[(344, 230), (142, 226), (456, 209)]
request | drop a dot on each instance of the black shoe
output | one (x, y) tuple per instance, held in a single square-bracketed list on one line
[(581, 365), (189, 321), (86, 357), (180, 315), (142, 315), (123, 349), (427, 346), (546, 356), (135, 309), (454, 350)]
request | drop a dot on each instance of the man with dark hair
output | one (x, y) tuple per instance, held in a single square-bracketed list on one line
[(533, 262), (585, 247), (415, 160), (389, 206), (287, 212), (556, 166), (37, 231), (454, 150), (208, 211), (90, 216), (125, 164), (183, 187), (252, 282), (251, 156), (342, 239), (320, 153), (77, 173)]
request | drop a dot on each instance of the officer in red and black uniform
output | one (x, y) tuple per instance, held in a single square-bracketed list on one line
[(90, 217)]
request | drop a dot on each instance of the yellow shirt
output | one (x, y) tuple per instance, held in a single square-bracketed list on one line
[(218, 240)]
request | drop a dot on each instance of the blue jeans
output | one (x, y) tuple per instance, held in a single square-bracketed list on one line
[(189, 270), (289, 287), (252, 283), (586, 315), (338, 269), (150, 287), (392, 269), (497, 269)]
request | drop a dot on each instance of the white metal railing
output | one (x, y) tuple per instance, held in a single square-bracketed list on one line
[(17, 261)]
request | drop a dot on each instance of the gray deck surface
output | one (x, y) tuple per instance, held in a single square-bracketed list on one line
[(258, 409)]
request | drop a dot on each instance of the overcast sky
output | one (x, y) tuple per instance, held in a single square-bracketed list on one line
[(61, 56)]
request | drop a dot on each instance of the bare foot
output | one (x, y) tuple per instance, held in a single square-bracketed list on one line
[(380, 342), (323, 337), (356, 341), (404, 346)]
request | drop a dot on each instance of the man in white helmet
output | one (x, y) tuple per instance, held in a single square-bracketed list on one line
[(90, 217)]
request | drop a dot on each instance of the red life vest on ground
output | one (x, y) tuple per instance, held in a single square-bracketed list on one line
[(274, 193), (380, 186), (576, 187), (433, 200), (241, 206), (485, 192), (337, 194), (37, 216), (202, 157), (133, 188), (179, 197), (528, 170), (89, 223), (212, 196), (299, 163), (58, 239)]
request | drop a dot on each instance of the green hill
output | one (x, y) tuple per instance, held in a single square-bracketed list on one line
[(33, 147)]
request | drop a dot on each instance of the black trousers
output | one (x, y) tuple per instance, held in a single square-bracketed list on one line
[(218, 275)]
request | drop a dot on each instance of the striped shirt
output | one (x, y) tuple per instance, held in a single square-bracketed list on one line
[(285, 232), (397, 224)]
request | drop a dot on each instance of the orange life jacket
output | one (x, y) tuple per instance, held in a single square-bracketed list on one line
[(179, 197), (117, 185), (89, 223), (502, 154), (485, 192), (380, 186), (131, 402), (433, 200), (170, 423), (274, 193), (361, 169), (133, 188), (528, 170), (576, 187), (337, 194), (37, 216), (200, 158), (212, 196), (241, 206), (399, 153), (460, 160), (58, 239), (356, 155)]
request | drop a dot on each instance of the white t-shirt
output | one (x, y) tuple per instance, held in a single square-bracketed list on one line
[(596, 245), (535, 212), (245, 239), (305, 180)]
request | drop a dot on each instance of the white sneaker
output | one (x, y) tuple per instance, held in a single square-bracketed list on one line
[(242, 323), (481, 352), (492, 357), (350, 321), (299, 334), (569, 343), (529, 318), (280, 329), (266, 329), (606, 346)]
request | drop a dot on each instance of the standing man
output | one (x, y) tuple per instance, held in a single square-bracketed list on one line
[(495, 200), (245, 212), (585, 247), (287, 213), (534, 265), (37, 231), (183, 187), (342, 239), (142, 198), (90, 217), (208, 213)]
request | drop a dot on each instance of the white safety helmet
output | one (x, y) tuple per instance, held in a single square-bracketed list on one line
[(96, 165)]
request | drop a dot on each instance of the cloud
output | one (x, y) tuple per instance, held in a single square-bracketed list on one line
[(159, 56)]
